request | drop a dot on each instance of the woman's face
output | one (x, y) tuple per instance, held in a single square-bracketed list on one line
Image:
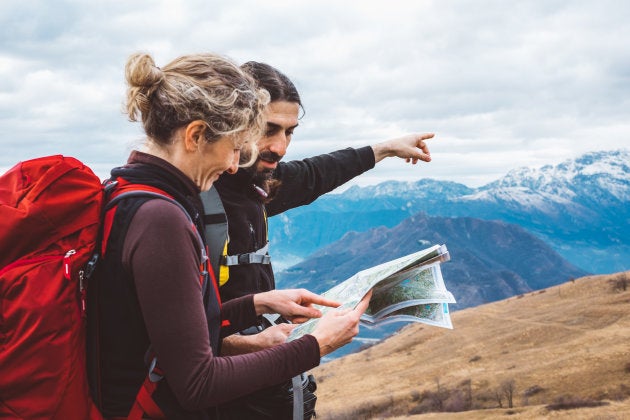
[(218, 157)]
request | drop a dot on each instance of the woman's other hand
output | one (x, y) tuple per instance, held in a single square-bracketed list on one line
[(338, 327), (296, 305)]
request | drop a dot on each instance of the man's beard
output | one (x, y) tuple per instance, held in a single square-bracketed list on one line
[(264, 178), (260, 178)]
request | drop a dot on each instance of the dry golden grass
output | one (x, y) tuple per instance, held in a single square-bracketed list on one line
[(570, 340)]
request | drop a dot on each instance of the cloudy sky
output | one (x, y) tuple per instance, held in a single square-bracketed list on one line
[(502, 84)]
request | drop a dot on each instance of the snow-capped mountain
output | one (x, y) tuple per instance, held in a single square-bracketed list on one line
[(593, 181), (567, 179), (581, 207)]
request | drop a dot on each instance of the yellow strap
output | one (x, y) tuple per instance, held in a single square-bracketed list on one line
[(224, 270)]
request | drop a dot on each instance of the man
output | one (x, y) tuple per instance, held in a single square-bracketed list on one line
[(270, 187)]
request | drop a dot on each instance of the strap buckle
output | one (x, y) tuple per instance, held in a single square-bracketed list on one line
[(155, 373), (257, 257)]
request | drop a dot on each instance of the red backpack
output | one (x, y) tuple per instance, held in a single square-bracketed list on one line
[(50, 219)]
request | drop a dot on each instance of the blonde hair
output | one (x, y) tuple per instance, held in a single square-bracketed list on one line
[(205, 87)]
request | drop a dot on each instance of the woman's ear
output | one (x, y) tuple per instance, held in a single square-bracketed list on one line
[(194, 135)]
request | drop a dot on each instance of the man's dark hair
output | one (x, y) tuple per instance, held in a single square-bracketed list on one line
[(279, 86)]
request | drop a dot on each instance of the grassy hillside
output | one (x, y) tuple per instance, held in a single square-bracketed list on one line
[(569, 344)]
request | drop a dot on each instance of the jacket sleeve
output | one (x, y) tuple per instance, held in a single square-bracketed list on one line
[(303, 181), (239, 314)]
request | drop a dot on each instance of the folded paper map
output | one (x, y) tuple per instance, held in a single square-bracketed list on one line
[(410, 288)]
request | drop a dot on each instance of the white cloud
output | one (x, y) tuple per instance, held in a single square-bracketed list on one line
[(502, 84)]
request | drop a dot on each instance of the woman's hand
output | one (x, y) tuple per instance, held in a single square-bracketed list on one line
[(293, 304), (338, 327)]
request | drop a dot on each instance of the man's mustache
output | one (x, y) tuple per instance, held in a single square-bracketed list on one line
[(269, 156)]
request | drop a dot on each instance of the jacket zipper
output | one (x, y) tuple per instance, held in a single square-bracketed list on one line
[(252, 232)]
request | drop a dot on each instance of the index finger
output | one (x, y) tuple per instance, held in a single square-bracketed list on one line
[(311, 297), (421, 144), (320, 300)]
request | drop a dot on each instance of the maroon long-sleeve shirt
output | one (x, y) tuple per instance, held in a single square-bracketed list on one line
[(161, 251)]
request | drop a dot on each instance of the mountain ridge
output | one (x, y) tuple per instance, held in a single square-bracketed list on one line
[(490, 260)]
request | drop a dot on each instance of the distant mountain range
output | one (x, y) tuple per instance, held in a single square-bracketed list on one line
[(581, 208), (490, 260)]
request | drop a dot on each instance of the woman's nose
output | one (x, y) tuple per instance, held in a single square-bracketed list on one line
[(233, 168)]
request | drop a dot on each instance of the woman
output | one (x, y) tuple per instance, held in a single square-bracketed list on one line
[(150, 300)]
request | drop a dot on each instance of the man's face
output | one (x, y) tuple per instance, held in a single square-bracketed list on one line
[(282, 118)]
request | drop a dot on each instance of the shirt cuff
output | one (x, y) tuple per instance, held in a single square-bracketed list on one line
[(366, 155)]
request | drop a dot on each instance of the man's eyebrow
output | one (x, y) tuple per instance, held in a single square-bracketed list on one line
[(274, 126)]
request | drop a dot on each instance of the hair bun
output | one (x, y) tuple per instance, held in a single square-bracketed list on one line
[(142, 76)]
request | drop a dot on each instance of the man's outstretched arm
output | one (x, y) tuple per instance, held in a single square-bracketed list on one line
[(303, 181)]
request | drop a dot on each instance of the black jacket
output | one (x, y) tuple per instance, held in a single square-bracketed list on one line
[(303, 181)]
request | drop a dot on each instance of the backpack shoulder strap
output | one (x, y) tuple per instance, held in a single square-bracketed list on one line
[(216, 231)]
